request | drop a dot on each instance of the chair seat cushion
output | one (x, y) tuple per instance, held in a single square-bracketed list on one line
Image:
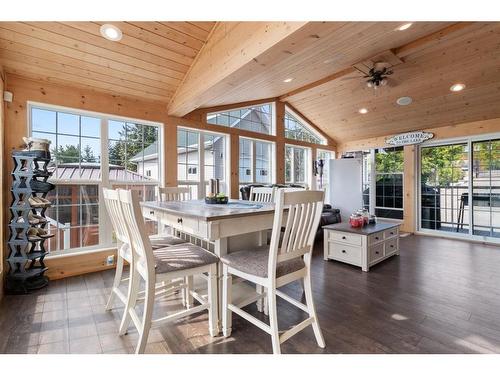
[(161, 240), (255, 262), (182, 257), (157, 242)]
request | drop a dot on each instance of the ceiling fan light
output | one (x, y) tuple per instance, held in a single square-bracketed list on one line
[(369, 84), (383, 82)]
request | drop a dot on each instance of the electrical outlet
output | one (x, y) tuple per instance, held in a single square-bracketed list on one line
[(110, 260)]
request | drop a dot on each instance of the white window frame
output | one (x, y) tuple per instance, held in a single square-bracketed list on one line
[(202, 184), (253, 163), (309, 127), (105, 227), (444, 142), (307, 165), (326, 183), (272, 130)]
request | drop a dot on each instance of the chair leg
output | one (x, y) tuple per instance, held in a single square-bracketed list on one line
[(147, 316), (273, 320), (187, 291), (312, 310), (260, 303), (116, 282), (133, 291), (212, 298), (227, 283), (266, 303)]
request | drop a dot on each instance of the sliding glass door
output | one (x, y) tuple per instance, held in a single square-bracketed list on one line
[(486, 188), (452, 173)]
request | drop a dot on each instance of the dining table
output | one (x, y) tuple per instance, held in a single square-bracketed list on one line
[(236, 225)]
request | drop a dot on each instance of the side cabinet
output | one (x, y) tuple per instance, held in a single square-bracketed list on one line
[(361, 250)]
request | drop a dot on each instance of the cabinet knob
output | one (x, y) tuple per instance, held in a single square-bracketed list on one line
[(151, 212), (179, 220), (376, 238), (343, 237), (392, 232), (344, 251), (392, 245), (376, 252)]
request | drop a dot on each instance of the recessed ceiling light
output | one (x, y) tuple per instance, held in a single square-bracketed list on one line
[(288, 80), (111, 32), (404, 26), (404, 100), (457, 87), (363, 111)]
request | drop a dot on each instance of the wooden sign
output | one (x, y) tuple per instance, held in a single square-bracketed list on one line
[(410, 138)]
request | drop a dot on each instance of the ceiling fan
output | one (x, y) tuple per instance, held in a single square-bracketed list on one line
[(377, 76)]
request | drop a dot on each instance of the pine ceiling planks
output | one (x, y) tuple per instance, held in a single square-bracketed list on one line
[(149, 62), (426, 75)]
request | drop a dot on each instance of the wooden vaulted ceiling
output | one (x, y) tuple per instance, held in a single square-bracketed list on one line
[(192, 65), (149, 62)]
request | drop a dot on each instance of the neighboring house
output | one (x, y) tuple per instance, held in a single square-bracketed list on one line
[(147, 162)]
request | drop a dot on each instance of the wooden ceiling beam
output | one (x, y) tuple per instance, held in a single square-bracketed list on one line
[(399, 52), (230, 47)]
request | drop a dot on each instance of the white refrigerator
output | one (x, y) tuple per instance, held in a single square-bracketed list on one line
[(346, 185)]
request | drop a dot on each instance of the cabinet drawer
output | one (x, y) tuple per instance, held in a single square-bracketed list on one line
[(375, 252), (345, 253), (352, 239), (391, 246), (375, 238), (391, 232)]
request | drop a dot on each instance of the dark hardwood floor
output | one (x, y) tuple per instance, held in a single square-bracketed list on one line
[(439, 296)]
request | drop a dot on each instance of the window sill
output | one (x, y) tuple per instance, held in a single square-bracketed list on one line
[(79, 251)]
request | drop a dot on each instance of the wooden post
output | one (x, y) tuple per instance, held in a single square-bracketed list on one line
[(280, 142), (234, 149), (170, 149), (409, 195)]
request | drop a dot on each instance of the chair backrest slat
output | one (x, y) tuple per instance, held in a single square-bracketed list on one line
[(262, 194), (138, 238), (113, 206), (173, 193), (303, 212)]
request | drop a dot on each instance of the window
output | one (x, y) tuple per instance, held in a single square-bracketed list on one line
[(382, 181), (257, 118), (81, 143), (255, 162), (449, 175), (389, 182), (200, 157), (323, 179), (296, 162), (296, 129)]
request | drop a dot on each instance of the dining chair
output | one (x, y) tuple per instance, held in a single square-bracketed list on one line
[(124, 254), (262, 194), (162, 265), (173, 193), (266, 195), (278, 264)]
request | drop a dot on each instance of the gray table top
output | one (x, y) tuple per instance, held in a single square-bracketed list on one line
[(198, 209), (366, 230)]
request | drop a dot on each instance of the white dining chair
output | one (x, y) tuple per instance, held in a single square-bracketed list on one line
[(124, 254), (262, 194), (266, 195), (278, 264), (173, 193), (162, 265)]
